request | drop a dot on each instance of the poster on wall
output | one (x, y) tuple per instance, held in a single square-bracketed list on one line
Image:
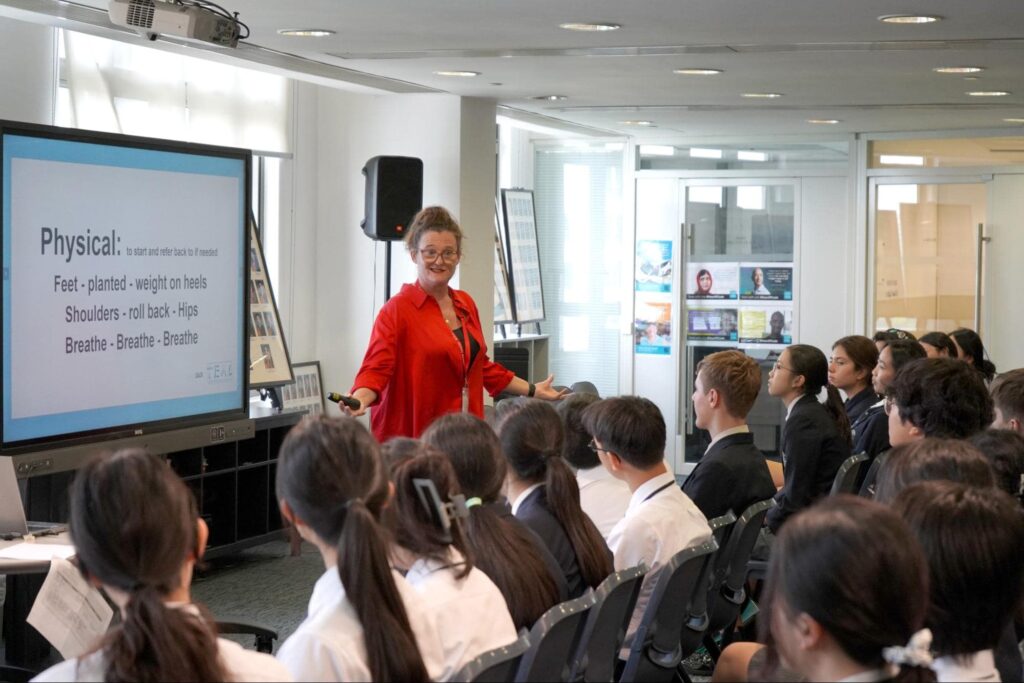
[(269, 364), (712, 324), (524, 271), (654, 266), (766, 281), (710, 281), (766, 324), (652, 327), (503, 311)]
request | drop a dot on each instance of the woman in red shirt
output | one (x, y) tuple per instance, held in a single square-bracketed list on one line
[(427, 355)]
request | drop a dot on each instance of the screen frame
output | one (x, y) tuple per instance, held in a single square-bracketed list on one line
[(138, 429)]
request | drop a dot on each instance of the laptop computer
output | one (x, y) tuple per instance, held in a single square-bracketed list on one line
[(12, 513)]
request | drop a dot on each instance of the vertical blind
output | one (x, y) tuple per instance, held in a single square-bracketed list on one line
[(578, 195)]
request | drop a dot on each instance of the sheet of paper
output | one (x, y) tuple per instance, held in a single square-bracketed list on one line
[(68, 612), (37, 552)]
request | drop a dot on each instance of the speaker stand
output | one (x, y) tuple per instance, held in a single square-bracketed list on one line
[(387, 270)]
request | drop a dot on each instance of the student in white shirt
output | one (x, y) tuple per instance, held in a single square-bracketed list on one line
[(365, 622), (137, 534), (629, 438), (973, 539), (469, 610), (603, 497), (846, 596)]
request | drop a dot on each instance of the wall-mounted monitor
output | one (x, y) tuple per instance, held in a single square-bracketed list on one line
[(124, 288)]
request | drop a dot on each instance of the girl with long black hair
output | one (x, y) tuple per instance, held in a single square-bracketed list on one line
[(137, 533), (365, 622), (816, 436)]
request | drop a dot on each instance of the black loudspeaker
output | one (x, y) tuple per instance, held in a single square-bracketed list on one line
[(394, 193)]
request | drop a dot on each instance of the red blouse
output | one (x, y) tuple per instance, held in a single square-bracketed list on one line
[(416, 365)]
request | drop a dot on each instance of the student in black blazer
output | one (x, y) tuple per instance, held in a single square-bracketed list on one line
[(871, 430), (733, 474), (849, 370), (546, 498), (815, 438)]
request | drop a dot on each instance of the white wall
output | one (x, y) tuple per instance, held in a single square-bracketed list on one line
[(26, 71), (338, 268), (1002, 322)]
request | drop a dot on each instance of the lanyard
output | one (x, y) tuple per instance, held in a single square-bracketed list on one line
[(657, 491), (465, 350)]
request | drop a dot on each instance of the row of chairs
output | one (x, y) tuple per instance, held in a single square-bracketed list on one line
[(699, 592)]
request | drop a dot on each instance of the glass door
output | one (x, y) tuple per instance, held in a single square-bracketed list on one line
[(927, 254), (738, 284)]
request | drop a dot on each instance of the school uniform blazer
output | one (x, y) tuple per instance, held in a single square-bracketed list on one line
[(503, 511), (535, 513), (732, 475), (858, 403), (812, 451), (871, 431)]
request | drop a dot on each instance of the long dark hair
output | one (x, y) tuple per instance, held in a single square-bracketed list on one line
[(416, 528), (503, 549), (970, 342), (810, 362), (134, 525), (941, 341), (330, 473), (853, 566), (531, 440)]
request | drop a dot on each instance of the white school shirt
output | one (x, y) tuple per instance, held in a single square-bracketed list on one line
[(603, 497), (470, 614), (661, 520), (241, 665), (979, 666), (329, 646)]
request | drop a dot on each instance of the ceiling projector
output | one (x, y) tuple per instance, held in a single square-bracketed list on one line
[(188, 20)]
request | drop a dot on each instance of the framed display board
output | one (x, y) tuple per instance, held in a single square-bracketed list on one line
[(305, 392), (503, 312), (523, 256), (269, 364)]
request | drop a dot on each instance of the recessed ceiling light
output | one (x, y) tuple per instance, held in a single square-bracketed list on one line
[(457, 74), (762, 95), (823, 121), (988, 93), (697, 72), (958, 69), (1014, 120), (637, 123), (305, 32), (573, 26), (549, 98), (909, 18)]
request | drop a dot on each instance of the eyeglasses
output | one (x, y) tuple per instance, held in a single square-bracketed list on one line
[(448, 255), (779, 366), (594, 447), (888, 405)]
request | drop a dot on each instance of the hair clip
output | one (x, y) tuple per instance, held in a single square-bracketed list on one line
[(917, 652), (426, 491)]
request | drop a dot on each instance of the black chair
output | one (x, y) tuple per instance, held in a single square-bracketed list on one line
[(265, 637), (584, 387), (656, 652), (848, 474), (553, 641), (697, 620), (728, 582), (867, 488), (606, 625), (495, 666)]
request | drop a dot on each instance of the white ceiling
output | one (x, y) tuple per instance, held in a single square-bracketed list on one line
[(830, 58)]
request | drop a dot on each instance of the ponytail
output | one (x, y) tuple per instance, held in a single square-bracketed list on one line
[(563, 494), (834, 405), (155, 642), (508, 554), (391, 650)]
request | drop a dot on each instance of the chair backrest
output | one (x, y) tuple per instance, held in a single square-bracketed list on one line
[(606, 625), (698, 618), (867, 488), (728, 583), (16, 674), (264, 635), (848, 474), (495, 666), (553, 641), (656, 652)]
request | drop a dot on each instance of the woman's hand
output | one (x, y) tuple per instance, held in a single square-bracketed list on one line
[(365, 397), (545, 391)]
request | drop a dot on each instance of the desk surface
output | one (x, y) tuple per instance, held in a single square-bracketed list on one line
[(31, 566)]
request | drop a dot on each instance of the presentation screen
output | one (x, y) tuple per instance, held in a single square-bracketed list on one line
[(124, 285)]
